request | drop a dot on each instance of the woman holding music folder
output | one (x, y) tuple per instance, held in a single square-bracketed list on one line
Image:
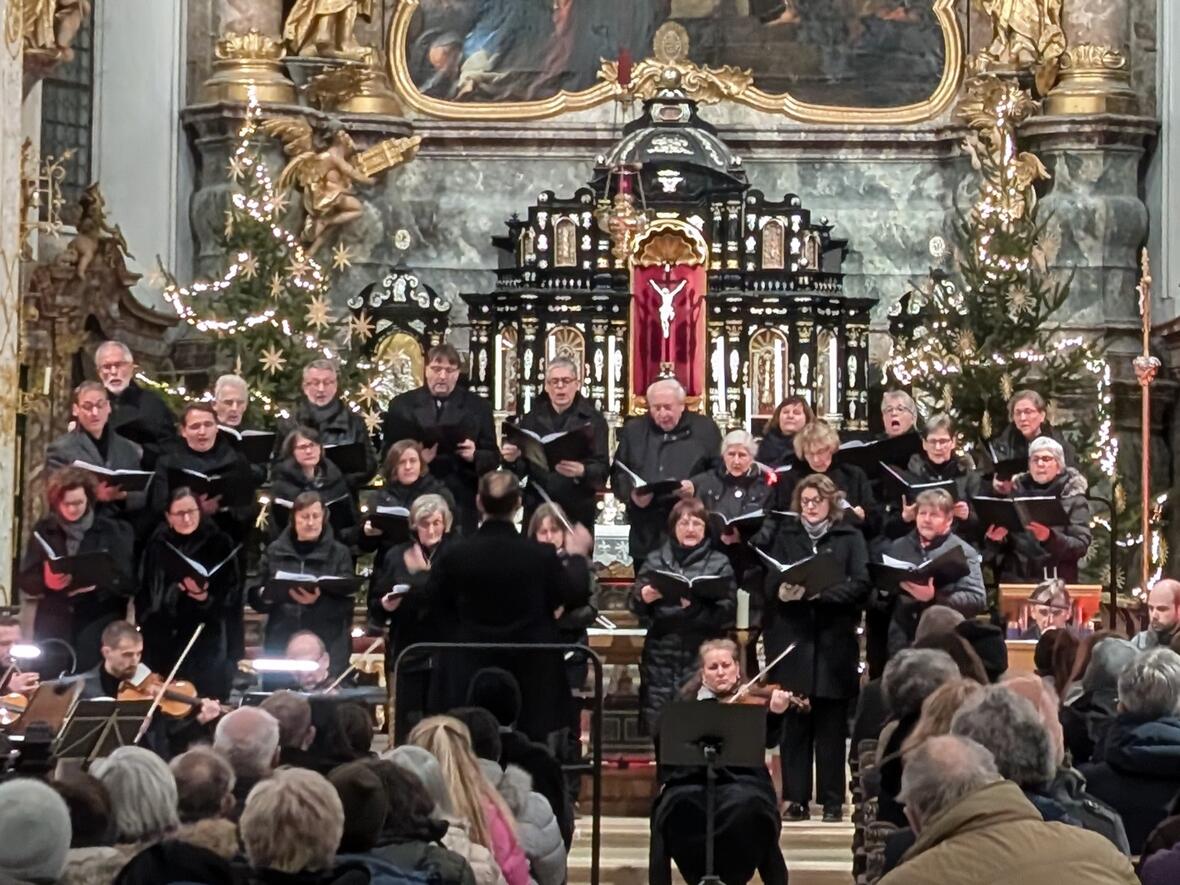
[(385, 513), (398, 601), (816, 587), (777, 448), (1033, 540), (684, 594), (303, 468), (78, 566), (955, 580), (189, 576), (938, 463), (307, 582)]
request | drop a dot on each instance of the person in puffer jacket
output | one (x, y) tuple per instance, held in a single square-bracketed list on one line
[(536, 825)]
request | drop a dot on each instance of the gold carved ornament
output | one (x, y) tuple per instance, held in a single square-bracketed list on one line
[(725, 80), (1093, 80), (49, 27), (242, 62), (669, 68), (1026, 35), (324, 28)]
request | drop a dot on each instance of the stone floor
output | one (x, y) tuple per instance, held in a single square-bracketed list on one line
[(817, 854)]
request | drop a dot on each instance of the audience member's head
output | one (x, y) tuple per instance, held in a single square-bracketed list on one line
[(249, 740), (937, 619), (293, 713), (484, 731), (940, 773), (1109, 657), (356, 727), (34, 832), (365, 805), (142, 791), (965, 658), (421, 763), (987, 640), (1045, 701), (939, 710), (292, 822), (498, 692), (1163, 607), (92, 822), (911, 675), (1011, 729), (204, 784), (1150, 687), (409, 807)]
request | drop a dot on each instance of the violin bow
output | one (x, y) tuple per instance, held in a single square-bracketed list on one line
[(147, 719), (741, 692), (351, 667), (557, 509)]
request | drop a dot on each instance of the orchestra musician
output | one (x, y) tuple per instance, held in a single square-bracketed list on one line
[(677, 627), (307, 547), (307, 646), (66, 611), (746, 817), (777, 448), (822, 624), (16, 680), (406, 480), (173, 598), (304, 468)]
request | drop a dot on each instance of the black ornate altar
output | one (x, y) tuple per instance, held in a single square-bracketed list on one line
[(776, 318)]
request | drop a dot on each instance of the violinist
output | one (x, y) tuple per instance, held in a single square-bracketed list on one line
[(174, 597), (16, 681), (746, 814)]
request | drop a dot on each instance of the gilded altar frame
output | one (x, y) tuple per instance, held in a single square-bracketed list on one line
[(780, 103)]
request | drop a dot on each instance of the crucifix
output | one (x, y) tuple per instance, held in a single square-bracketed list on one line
[(667, 309)]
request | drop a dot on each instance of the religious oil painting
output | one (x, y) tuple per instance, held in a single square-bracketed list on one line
[(872, 56)]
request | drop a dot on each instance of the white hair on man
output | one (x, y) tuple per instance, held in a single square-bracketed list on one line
[(292, 822), (248, 738), (321, 365), (1150, 687), (940, 772), (899, 398), (237, 382), (142, 791), (740, 437), (1010, 728), (563, 362), (123, 349), (1047, 444), (912, 675), (668, 384)]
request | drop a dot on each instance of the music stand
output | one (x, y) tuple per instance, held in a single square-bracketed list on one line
[(99, 727), (695, 734)]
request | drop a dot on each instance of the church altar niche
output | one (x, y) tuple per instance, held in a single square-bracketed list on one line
[(737, 295)]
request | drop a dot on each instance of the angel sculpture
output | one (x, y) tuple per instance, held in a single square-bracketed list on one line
[(325, 27), (1025, 34), (93, 229), (324, 176)]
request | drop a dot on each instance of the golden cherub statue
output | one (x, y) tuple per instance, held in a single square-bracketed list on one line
[(325, 176), (52, 25), (93, 229), (325, 27), (1026, 34)]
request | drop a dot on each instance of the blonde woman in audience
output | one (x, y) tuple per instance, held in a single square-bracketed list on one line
[(472, 797), (939, 709)]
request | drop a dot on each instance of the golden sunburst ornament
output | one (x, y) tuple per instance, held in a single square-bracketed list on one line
[(341, 257), (1020, 301), (277, 287), (250, 267), (318, 314), (298, 266), (372, 420), (272, 360), (366, 394), (360, 325), (235, 168)]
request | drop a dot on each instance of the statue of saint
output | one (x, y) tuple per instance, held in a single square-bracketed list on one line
[(325, 27)]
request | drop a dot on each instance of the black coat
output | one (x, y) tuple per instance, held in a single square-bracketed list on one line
[(675, 634), (330, 617), (237, 514), (413, 621), (289, 481), (548, 777), (80, 619), (143, 417), (848, 478), (776, 449), (1010, 443), (1022, 559), (118, 453), (394, 494), (967, 485), (824, 662), (342, 427), (691, 447), (499, 587), (1138, 774), (167, 615), (578, 497), (734, 496), (1085, 722), (412, 412)]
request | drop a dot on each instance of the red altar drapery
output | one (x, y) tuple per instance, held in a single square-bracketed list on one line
[(684, 309)]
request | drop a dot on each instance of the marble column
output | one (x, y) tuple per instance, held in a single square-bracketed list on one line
[(10, 140), (1095, 74), (1101, 22), (244, 16)]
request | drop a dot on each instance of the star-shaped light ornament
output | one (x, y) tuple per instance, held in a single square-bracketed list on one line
[(341, 257), (361, 326), (366, 394), (279, 203), (372, 420), (250, 267), (236, 168), (1020, 301), (299, 266), (276, 286), (272, 360), (318, 314)]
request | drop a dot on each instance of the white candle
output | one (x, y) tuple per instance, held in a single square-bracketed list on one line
[(610, 373), (45, 382), (743, 610)]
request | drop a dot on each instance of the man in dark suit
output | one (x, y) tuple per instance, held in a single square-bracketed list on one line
[(440, 403), (572, 484), (497, 586), (138, 414), (668, 442), (322, 410)]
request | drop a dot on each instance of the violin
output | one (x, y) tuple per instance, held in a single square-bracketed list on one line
[(11, 706), (176, 701)]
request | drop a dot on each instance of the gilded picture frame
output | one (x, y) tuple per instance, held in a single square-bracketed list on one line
[(784, 104)]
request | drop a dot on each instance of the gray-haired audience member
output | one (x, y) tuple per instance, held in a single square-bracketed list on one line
[(248, 738), (292, 823), (142, 791), (911, 676), (1136, 771), (962, 811), (204, 784), (34, 832)]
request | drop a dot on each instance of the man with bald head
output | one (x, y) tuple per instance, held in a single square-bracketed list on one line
[(138, 414), (248, 739), (669, 442), (1163, 608)]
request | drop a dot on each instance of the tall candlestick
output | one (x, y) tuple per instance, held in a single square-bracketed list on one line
[(1146, 367)]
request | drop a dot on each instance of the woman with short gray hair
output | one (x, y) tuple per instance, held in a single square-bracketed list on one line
[(142, 791)]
